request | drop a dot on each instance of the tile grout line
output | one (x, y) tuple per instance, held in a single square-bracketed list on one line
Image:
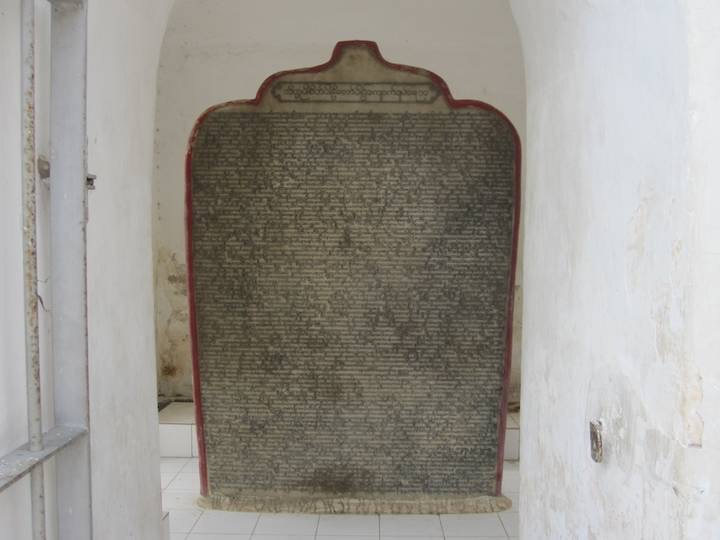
[(502, 523), (195, 523), (162, 490), (317, 527), (252, 533), (442, 527), (202, 511)]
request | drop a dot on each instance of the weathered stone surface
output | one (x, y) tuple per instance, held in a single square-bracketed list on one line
[(358, 503), (351, 250)]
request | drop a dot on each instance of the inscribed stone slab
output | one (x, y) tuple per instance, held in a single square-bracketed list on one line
[(352, 240)]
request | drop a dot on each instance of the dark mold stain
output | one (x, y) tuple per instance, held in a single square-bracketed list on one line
[(340, 480), (169, 370)]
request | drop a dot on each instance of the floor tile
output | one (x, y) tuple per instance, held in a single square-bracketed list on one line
[(291, 537), (406, 537), (217, 522), (503, 537), (183, 519), (348, 525), (193, 442), (178, 536), (172, 464), (178, 413), (472, 525), (511, 523), (192, 465), (338, 537), (164, 525), (203, 536), (287, 524), (410, 525), (512, 444), (185, 482), (166, 478), (174, 440), (179, 500), (511, 481)]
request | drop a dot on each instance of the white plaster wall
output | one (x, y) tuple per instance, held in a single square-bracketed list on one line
[(621, 248), (218, 50), (123, 49), (701, 488)]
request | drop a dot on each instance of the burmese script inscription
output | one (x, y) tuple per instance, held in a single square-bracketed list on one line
[(351, 273)]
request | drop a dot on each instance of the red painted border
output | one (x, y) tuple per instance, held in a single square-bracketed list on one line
[(453, 103)]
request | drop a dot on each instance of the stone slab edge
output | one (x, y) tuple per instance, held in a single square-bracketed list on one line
[(366, 503)]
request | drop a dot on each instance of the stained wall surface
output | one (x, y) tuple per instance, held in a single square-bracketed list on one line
[(15, 502), (620, 310), (701, 487), (217, 51)]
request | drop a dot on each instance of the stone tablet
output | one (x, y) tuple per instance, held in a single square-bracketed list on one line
[(351, 245)]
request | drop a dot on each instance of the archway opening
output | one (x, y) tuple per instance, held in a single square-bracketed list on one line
[(197, 72)]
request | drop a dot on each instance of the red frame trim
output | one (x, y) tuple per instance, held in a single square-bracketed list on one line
[(452, 103)]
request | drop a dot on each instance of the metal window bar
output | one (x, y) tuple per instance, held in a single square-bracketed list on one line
[(68, 267), (30, 288)]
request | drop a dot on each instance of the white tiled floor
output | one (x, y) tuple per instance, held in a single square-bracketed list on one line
[(180, 482), (178, 412), (512, 436), (177, 430)]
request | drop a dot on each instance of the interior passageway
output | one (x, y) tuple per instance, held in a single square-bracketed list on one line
[(616, 103)]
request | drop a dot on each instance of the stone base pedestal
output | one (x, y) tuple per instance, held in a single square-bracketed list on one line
[(360, 503)]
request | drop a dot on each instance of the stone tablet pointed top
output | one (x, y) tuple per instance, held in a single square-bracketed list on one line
[(356, 74)]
